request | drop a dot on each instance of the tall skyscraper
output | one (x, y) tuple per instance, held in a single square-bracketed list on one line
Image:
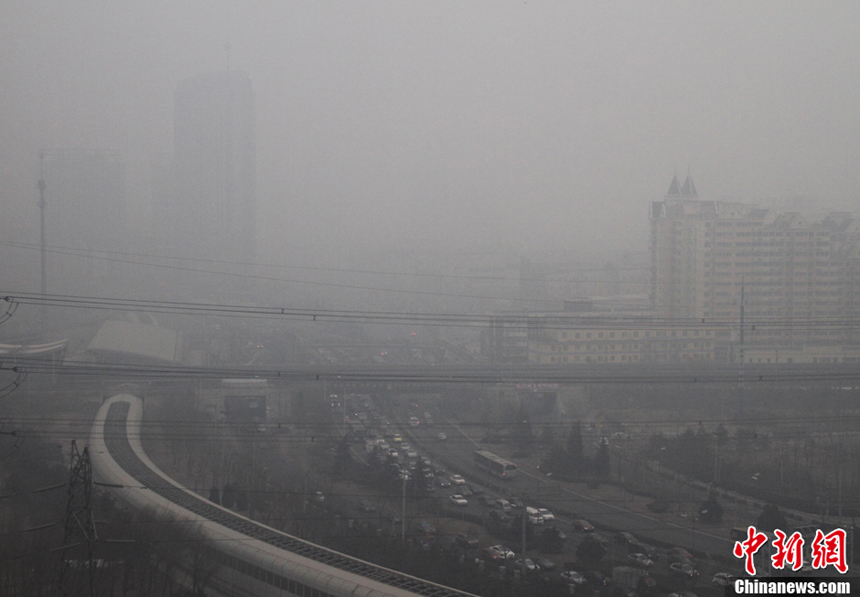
[(208, 208)]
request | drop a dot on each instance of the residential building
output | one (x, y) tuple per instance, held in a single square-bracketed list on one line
[(797, 277)]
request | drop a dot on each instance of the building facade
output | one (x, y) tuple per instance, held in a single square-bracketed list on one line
[(207, 208), (796, 278)]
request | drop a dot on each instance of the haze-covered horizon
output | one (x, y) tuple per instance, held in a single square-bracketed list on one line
[(433, 128)]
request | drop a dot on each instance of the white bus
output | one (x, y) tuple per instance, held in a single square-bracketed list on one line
[(496, 465)]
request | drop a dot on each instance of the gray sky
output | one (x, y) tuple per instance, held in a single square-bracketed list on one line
[(532, 126)]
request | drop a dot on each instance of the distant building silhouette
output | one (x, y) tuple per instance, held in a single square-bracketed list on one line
[(207, 204)]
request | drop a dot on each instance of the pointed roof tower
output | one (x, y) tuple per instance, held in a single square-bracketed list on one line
[(674, 188), (689, 188)]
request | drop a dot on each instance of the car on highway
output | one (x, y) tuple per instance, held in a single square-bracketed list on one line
[(465, 540), (487, 501), (428, 529), (527, 563), (441, 436), (366, 506), (625, 538), (545, 564), (534, 516), (640, 560), (465, 491), (679, 554), (580, 524), (499, 516), (641, 548), (723, 579), (500, 552), (547, 515), (458, 500), (572, 577), (683, 569), (515, 502), (457, 480), (596, 579), (443, 482), (503, 505), (397, 437)]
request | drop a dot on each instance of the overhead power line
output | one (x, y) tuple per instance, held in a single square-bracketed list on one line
[(555, 320)]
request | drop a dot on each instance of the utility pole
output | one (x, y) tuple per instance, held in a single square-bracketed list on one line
[(42, 206), (523, 532), (741, 354), (404, 475)]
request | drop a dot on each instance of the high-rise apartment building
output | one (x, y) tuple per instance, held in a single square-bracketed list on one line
[(208, 206), (799, 278)]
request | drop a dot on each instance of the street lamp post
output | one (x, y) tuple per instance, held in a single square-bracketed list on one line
[(403, 510)]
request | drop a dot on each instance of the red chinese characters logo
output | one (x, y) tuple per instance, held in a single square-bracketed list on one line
[(826, 550), (748, 548), (789, 550), (829, 549)]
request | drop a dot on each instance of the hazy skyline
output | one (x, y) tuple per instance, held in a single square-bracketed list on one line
[(448, 127)]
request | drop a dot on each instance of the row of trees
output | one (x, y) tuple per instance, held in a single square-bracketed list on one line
[(569, 459)]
